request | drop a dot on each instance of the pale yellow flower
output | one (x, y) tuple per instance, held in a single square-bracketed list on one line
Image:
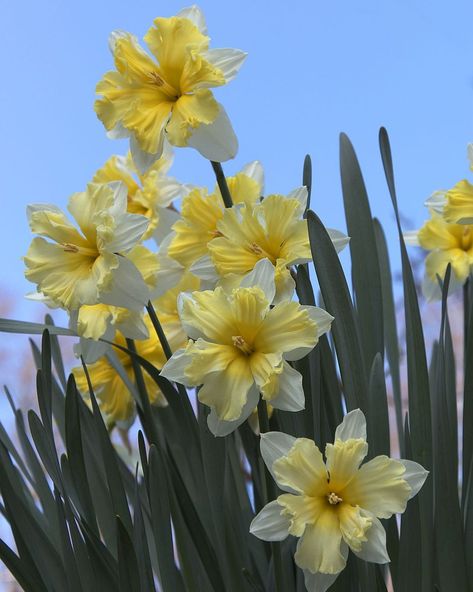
[(150, 194), (148, 97), (448, 244), (273, 229), (201, 212), (90, 265), (242, 347), (333, 506)]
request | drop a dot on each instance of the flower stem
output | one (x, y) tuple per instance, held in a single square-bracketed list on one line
[(159, 330), (222, 184), (270, 493), (466, 315)]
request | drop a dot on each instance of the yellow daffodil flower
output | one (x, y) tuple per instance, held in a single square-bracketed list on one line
[(150, 194), (167, 94), (241, 347), (200, 213), (447, 243), (112, 391), (455, 204), (90, 265), (273, 229), (333, 506)]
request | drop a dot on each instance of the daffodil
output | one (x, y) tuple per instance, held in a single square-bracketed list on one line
[(273, 229), (333, 505), (166, 94), (113, 390), (150, 194), (448, 244), (201, 212), (241, 347), (90, 265), (455, 204)]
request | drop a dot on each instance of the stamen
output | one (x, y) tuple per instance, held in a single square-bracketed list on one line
[(159, 81), (216, 233), (466, 238), (70, 248), (256, 249), (333, 499), (241, 344)]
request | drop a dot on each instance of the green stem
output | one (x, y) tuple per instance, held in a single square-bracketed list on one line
[(270, 495), (159, 330), (466, 315), (222, 184)]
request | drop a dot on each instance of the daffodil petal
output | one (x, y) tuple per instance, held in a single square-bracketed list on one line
[(128, 288), (374, 549), (215, 141), (275, 445), (290, 394), (300, 194), (270, 524), (353, 426), (255, 171), (175, 368), (319, 582), (343, 461), (167, 218), (144, 160), (339, 239), (219, 427), (227, 60), (196, 16), (436, 201), (204, 269), (90, 350), (411, 238), (302, 469), (262, 275), (415, 476)]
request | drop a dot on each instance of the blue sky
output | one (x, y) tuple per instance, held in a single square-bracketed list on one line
[(314, 69)]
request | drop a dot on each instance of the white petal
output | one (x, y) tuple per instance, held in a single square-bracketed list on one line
[(301, 194), (411, 238), (255, 171), (228, 60), (286, 289), (173, 369), (262, 275), (415, 475), (169, 274), (219, 427), (91, 350), (339, 239), (128, 287), (118, 132), (170, 189), (141, 159), (166, 219), (190, 330), (352, 426), (290, 396), (40, 297), (436, 201), (273, 446), (324, 322), (114, 36), (269, 525), (318, 582), (469, 152), (216, 141), (129, 228), (133, 327), (374, 550), (42, 207), (204, 269), (195, 15)]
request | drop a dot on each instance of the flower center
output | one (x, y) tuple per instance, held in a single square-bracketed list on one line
[(333, 499), (70, 248), (466, 239), (159, 81), (241, 344)]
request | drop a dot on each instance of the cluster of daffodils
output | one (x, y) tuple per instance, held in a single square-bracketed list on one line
[(448, 236), (143, 255)]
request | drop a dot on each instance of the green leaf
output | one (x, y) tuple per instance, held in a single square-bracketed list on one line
[(56, 352), (338, 303), (11, 326), (29, 582), (68, 557), (129, 577), (364, 257), (380, 441)]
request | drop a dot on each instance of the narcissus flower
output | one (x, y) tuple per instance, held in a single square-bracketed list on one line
[(447, 243), (200, 213), (148, 98), (273, 229), (243, 347), (150, 194), (333, 506), (90, 265)]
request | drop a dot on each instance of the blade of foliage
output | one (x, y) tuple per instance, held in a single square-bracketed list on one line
[(68, 557), (56, 352), (129, 577), (11, 326), (26, 578)]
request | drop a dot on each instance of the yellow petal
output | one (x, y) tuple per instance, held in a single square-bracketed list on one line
[(115, 169), (436, 234), (436, 264), (459, 204), (207, 312), (301, 510), (354, 525), (379, 487), (302, 469), (343, 461), (92, 321), (207, 358), (52, 223), (188, 113)]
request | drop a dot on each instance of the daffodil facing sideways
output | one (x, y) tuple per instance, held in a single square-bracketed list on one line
[(166, 94), (89, 265), (241, 346), (448, 244), (333, 506), (150, 194), (455, 204), (201, 212), (272, 229)]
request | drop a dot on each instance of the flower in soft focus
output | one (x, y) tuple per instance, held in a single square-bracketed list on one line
[(167, 94), (90, 265), (333, 506), (243, 347), (200, 213), (150, 194), (448, 244), (273, 229), (455, 204), (112, 390)]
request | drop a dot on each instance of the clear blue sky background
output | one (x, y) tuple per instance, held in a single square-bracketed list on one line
[(314, 69)]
